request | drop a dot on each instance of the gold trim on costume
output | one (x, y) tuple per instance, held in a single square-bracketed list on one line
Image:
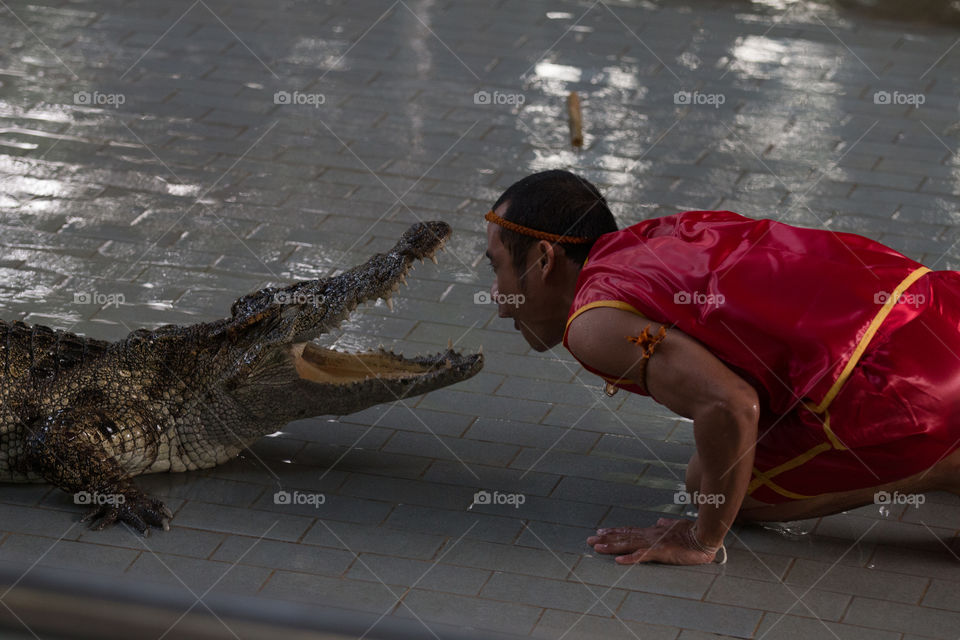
[(784, 492), (868, 336), (616, 304), (763, 477), (833, 442)]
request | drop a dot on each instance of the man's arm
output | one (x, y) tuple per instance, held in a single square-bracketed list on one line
[(689, 380)]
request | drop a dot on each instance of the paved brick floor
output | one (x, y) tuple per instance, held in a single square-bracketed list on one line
[(177, 155)]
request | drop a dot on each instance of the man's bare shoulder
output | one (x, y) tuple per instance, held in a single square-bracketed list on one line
[(601, 335)]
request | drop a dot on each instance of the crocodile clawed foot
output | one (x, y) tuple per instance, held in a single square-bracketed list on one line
[(137, 509)]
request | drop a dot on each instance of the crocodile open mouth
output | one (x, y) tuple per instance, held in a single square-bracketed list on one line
[(324, 365)]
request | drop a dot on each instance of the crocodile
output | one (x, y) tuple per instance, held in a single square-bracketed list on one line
[(88, 415)]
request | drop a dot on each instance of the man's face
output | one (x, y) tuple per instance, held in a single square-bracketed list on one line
[(527, 304)]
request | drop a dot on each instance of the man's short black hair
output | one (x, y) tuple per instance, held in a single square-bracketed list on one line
[(555, 201)]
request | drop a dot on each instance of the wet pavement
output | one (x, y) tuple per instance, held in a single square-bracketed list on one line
[(159, 159)]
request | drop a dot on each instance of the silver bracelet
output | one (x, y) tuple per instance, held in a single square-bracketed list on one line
[(695, 543)]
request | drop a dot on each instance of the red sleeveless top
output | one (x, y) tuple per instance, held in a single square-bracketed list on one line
[(789, 309)]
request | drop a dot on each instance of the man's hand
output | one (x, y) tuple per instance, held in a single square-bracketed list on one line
[(684, 376), (665, 542)]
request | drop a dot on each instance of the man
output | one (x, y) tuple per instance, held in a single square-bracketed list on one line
[(818, 368)]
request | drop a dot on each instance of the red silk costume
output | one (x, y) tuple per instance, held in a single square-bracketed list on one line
[(853, 348)]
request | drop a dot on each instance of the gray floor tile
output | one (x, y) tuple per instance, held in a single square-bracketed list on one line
[(418, 573), (575, 626), (491, 528), (198, 576), (556, 594), (691, 614), (243, 521), (283, 555), (890, 616), (383, 540), (50, 552), (778, 597), (469, 612), (788, 627), (337, 592)]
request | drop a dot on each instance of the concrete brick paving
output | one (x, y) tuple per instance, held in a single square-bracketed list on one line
[(199, 188)]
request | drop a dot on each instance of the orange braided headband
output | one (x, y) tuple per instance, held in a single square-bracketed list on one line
[(527, 231)]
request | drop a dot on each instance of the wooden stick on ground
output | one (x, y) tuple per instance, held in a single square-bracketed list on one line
[(576, 119)]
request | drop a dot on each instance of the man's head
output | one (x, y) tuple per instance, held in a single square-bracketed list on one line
[(535, 279)]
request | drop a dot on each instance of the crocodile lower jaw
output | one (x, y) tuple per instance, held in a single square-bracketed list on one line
[(322, 365)]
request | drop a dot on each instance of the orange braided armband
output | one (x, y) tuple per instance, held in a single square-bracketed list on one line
[(647, 342)]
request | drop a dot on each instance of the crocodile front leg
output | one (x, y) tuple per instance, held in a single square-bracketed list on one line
[(75, 451)]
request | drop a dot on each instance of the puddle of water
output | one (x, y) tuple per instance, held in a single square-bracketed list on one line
[(791, 530)]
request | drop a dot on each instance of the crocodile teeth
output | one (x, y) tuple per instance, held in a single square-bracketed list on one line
[(434, 258), (389, 303), (449, 343)]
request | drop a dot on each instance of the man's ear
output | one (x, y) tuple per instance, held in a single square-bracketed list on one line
[(546, 257)]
